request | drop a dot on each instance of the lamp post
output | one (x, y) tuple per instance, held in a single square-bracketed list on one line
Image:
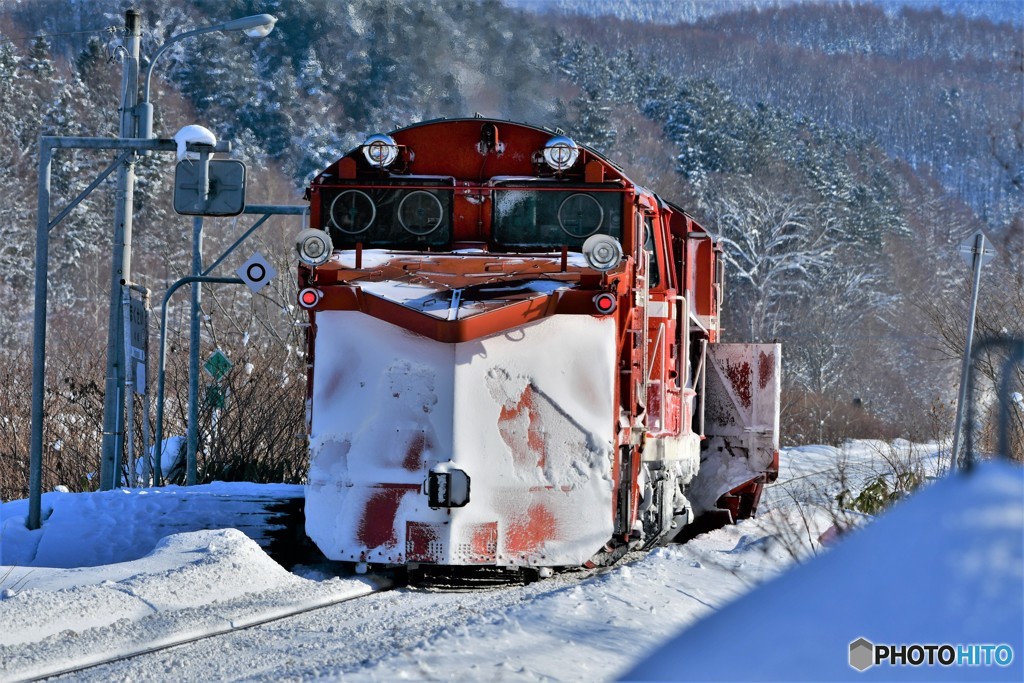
[(137, 121), (256, 26)]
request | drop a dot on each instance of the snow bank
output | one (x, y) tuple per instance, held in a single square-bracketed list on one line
[(947, 566), (185, 570), (107, 527), (192, 584)]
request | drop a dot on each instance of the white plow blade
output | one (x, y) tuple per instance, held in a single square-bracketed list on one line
[(526, 414)]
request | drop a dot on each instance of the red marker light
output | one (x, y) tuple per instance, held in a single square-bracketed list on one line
[(604, 303), (309, 298)]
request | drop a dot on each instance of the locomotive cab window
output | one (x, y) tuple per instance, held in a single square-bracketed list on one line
[(549, 217), (413, 214)]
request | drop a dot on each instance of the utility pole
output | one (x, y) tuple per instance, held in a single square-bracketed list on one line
[(976, 251), (128, 144), (121, 257)]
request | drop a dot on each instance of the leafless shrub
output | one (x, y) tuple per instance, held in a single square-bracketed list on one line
[(825, 418), (15, 383), (259, 434), (807, 513), (902, 473), (73, 409)]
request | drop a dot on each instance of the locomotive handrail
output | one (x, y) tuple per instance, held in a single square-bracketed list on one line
[(660, 349), (644, 278), (657, 345)]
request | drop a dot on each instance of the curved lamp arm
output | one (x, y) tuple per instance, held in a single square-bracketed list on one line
[(255, 26)]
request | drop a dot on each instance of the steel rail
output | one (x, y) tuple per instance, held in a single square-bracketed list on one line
[(168, 642)]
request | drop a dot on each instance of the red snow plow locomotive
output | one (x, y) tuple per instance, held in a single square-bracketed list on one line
[(514, 357)]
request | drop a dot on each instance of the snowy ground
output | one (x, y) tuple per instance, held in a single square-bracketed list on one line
[(573, 627)]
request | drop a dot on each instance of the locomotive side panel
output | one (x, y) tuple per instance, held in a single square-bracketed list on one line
[(741, 452)]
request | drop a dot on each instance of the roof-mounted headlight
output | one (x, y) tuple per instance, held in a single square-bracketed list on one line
[(380, 150), (314, 247), (560, 153)]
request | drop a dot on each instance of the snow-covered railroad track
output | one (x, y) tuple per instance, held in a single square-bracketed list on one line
[(344, 638), (122, 641)]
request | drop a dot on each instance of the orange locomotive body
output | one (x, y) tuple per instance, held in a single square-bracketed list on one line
[(514, 357)]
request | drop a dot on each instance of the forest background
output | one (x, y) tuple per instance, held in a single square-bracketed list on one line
[(840, 151)]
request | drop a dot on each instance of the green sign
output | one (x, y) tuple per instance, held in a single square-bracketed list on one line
[(217, 365), (216, 396)]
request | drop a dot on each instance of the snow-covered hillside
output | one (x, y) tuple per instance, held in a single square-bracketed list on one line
[(675, 11)]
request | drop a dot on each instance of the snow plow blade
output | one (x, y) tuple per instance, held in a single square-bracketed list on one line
[(740, 453)]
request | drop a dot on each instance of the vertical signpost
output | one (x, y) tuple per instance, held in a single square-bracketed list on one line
[(138, 318), (136, 315), (136, 345), (217, 366), (976, 250)]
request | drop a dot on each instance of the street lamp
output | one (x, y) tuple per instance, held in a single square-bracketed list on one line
[(137, 122), (256, 26)]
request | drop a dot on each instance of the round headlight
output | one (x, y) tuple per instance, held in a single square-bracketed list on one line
[(314, 247), (560, 153), (380, 150), (602, 252)]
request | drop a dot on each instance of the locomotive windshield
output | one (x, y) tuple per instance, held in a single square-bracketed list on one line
[(408, 215), (544, 217)]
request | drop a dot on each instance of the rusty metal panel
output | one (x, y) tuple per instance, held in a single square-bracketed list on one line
[(741, 419), (744, 390)]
